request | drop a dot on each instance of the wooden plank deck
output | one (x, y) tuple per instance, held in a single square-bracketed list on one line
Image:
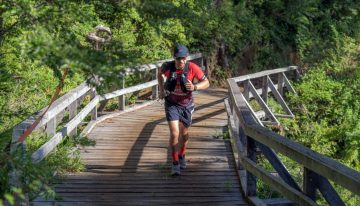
[(130, 163)]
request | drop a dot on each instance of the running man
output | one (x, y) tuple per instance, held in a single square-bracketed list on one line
[(179, 105)]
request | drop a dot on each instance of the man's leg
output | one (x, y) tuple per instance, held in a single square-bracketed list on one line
[(184, 138), (174, 146)]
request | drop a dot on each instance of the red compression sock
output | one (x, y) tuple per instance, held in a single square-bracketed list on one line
[(182, 151), (175, 156)]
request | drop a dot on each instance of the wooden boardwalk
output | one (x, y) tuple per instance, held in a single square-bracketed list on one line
[(130, 163)]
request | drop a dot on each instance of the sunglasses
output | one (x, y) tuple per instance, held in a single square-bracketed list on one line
[(180, 58)]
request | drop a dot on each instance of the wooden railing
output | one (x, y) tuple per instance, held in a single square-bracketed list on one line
[(249, 137), (70, 102)]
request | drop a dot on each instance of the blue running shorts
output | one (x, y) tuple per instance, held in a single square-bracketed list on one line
[(181, 113)]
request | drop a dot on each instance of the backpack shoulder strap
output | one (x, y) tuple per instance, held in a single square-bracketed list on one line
[(172, 66), (186, 69)]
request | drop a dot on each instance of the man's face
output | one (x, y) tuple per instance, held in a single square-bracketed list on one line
[(180, 62)]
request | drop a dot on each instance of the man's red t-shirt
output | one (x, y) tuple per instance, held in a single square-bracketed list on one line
[(178, 96)]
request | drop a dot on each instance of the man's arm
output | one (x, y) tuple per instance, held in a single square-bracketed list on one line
[(203, 84), (199, 75)]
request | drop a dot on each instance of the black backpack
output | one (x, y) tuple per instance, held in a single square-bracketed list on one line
[(170, 83)]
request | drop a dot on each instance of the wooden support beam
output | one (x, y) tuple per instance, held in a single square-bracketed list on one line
[(297, 74), (243, 176), (276, 183), (251, 178), (155, 88), (51, 127), (121, 98), (246, 89), (278, 165), (288, 84), (265, 87), (285, 116), (279, 98), (328, 191), (201, 65), (309, 184), (318, 163), (72, 114), (60, 116), (280, 83), (94, 111), (237, 97), (269, 123), (263, 105)]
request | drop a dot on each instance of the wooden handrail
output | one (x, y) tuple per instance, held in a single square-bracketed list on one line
[(245, 127), (318, 163), (264, 73)]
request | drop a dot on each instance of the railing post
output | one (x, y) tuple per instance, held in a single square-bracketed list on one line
[(297, 74), (51, 127), (202, 64), (250, 178), (121, 98), (265, 89), (281, 83), (246, 90), (155, 89), (309, 184), (72, 114), (239, 142), (94, 111), (231, 105), (242, 138)]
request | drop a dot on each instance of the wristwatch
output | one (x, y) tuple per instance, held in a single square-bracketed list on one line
[(195, 87)]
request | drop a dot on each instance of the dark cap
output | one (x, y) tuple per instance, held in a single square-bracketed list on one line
[(180, 51)]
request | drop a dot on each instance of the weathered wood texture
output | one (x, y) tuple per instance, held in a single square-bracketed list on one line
[(130, 164), (246, 125), (264, 73)]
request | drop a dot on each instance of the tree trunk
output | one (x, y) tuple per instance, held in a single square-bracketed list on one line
[(246, 60), (210, 62), (221, 55), (218, 56)]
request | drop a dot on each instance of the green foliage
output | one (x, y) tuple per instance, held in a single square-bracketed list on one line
[(38, 39), (327, 109), (36, 179), (254, 104)]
